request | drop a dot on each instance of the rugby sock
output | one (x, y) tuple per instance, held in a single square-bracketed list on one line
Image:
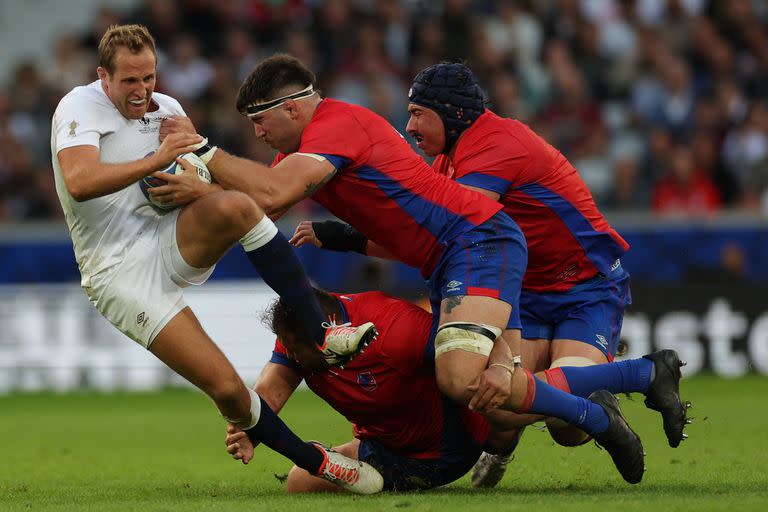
[(547, 400), (274, 259), (633, 375), (275, 434)]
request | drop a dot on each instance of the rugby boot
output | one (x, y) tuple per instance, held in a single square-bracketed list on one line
[(349, 474), (619, 440), (663, 394), (489, 468), (344, 341)]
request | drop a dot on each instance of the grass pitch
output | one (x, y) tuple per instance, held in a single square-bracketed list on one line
[(128, 452)]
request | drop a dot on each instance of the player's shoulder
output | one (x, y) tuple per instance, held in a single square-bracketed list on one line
[(87, 98), (168, 103)]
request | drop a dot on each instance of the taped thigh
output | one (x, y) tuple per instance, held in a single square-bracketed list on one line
[(467, 336)]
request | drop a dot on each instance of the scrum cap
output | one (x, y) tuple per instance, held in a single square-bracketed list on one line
[(451, 90)]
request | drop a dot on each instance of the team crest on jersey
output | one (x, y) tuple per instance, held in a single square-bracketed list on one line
[(150, 124), (72, 127), (366, 381)]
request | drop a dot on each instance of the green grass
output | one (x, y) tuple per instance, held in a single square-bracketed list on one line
[(165, 451)]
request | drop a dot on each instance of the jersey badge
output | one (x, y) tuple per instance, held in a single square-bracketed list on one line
[(72, 127), (366, 381)]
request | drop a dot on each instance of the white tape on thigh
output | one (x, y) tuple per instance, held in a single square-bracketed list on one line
[(572, 361), (460, 336)]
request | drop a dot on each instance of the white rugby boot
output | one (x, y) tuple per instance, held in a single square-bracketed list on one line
[(344, 341), (349, 474)]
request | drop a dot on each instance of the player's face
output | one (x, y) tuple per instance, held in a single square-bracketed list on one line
[(426, 127), (278, 128), (132, 83), (307, 355)]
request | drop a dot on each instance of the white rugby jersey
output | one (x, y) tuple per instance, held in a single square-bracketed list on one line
[(104, 228)]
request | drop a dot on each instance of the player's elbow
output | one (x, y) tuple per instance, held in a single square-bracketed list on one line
[(78, 189)]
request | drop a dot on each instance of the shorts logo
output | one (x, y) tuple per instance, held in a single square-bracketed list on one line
[(453, 286), (366, 381), (142, 319), (601, 341)]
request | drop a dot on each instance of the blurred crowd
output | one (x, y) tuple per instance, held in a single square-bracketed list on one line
[(660, 104)]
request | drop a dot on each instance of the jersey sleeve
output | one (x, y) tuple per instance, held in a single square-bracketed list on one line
[(280, 356), (493, 162), (337, 136), (78, 123)]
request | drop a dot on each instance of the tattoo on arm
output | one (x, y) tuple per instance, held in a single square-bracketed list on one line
[(451, 303), (314, 187)]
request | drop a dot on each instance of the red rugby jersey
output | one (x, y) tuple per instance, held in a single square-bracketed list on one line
[(568, 238), (389, 392), (384, 189)]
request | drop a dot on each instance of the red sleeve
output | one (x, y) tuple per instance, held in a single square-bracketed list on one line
[(280, 356), (492, 162), (338, 136)]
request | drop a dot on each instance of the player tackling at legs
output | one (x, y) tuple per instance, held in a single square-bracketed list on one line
[(473, 256)]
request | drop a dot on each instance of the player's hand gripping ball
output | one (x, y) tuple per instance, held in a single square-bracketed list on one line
[(177, 169)]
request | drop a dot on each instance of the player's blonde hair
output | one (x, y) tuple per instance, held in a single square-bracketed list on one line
[(133, 37)]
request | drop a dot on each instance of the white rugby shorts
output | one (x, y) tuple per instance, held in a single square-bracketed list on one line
[(144, 292)]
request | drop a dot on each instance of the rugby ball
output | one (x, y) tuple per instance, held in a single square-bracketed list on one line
[(174, 168)]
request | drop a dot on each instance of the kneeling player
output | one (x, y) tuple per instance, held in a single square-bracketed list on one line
[(403, 426)]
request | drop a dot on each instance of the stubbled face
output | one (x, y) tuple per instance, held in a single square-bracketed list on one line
[(426, 127), (132, 83), (279, 127)]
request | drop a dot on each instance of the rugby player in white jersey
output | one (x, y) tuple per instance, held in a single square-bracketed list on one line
[(135, 259)]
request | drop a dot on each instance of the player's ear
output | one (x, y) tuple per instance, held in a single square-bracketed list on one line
[(102, 73), (291, 109)]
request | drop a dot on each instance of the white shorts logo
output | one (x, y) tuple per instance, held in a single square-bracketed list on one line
[(453, 286)]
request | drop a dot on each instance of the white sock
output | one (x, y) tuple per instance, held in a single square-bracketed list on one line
[(260, 235)]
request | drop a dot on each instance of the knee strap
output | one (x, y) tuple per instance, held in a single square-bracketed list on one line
[(467, 336)]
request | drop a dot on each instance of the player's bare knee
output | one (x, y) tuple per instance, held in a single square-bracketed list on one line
[(234, 210), (297, 480)]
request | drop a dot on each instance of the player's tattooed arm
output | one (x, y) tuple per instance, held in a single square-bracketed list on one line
[(313, 187), (450, 303)]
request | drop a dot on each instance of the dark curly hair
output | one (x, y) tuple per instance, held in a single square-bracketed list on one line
[(283, 320)]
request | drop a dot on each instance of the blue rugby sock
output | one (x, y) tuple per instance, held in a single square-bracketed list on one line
[(275, 434), (550, 401), (274, 259), (633, 375)]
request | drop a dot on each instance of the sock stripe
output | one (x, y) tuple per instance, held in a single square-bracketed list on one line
[(556, 378), (529, 395)]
